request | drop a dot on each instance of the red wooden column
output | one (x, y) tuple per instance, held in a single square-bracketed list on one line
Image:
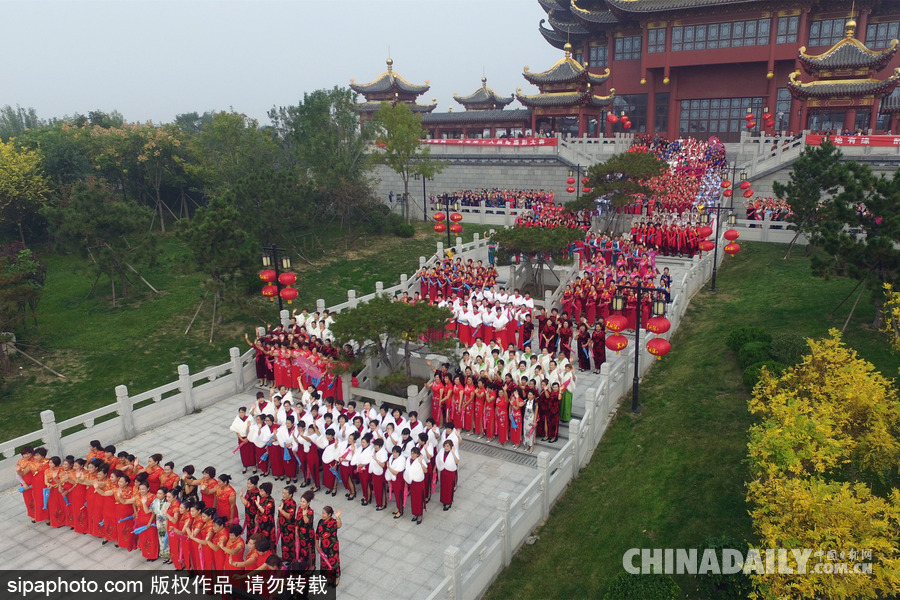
[(850, 120), (674, 107)]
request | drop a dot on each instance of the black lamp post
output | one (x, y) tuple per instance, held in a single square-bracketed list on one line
[(704, 218), (270, 259), (658, 308), (424, 205)]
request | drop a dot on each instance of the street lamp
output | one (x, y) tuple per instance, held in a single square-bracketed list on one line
[(453, 226), (271, 259), (424, 205), (704, 218), (658, 308)]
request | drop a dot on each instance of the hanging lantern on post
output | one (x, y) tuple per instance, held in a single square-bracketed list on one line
[(440, 227), (584, 180), (289, 294), (287, 278), (270, 291), (705, 231), (571, 189), (732, 248), (726, 184), (748, 193), (707, 245), (612, 119), (617, 342), (727, 193), (751, 124), (616, 323), (658, 325), (627, 124), (456, 218), (570, 180), (745, 185), (268, 275), (731, 235), (456, 228), (770, 123), (658, 347), (585, 190), (439, 216)]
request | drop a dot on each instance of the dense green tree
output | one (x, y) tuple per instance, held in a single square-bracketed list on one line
[(619, 178), (21, 286), (23, 187), (383, 325), (111, 232), (193, 122), (399, 131), (16, 121), (536, 246)]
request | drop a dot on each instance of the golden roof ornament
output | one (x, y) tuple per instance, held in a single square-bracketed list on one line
[(568, 49), (390, 64)]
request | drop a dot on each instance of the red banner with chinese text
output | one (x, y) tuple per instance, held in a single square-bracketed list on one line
[(528, 142), (854, 140)]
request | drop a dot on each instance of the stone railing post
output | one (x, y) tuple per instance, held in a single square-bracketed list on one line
[(543, 465), (126, 414), (237, 369), (440, 250), (548, 299), (347, 385), (452, 556), (422, 261), (187, 389), (379, 288), (575, 436), (411, 392), (260, 331), (52, 437), (606, 376), (404, 281), (351, 299), (503, 504), (320, 305), (285, 317), (458, 243)]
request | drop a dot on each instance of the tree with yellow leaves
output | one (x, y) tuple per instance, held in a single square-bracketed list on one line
[(23, 187), (824, 460), (891, 313)]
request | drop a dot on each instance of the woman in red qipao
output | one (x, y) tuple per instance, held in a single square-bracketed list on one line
[(75, 489), (455, 415), (56, 506), (468, 404), (565, 338), (96, 477), (39, 466), (179, 526), (502, 416), (207, 553), (553, 404), (446, 399), (148, 539), (489, 418), (26, 479), (480, 398), (124, 513), (306, 530), (105, 491), (265, 505), (598, 346), (515, 418), (327, 544), (447, 465), (169, 478), (437, 390), (233, 548), (217, 543), (201, 522), (226, 500), (251, 495)]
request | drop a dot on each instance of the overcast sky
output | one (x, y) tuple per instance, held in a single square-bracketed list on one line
[(151, 60)]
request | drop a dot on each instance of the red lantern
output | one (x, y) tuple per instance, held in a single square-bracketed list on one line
[(268, 275), (616, 342), (627, 124), (751, 124), (745, 185), (570, 180), (289, 294), (658, 347), (287, 278), (270, 291), (611, 118), (584, 180), (456, 228), (707, 245), (726, 184), (440, 227), (456, 217), (767, 116), (748, 194), (732, 248), (585, 190), (770, 123), (616, 323), (658, 325), (727, 193), (439, 216), (705, 231), (732, 235), (750, 116), (571, 189)]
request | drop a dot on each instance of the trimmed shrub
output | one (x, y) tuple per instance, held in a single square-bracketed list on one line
[(754, 352), (642, 587), (753, 372), (735, 586), (404, 230), (743, 335), (789, 348)]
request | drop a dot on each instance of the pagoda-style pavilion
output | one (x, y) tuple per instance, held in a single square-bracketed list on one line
[(391, 87), (484, 115), (567, 98), (845, 93)]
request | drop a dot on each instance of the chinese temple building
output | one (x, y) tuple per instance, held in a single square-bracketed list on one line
[(484, 116), (567, 102), (694, 67), (390, 87), (845, 90)]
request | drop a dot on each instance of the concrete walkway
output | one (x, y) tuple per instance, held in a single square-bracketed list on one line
[(370, 541)]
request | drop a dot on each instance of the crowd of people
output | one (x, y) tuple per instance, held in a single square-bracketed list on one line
[(189, 520), (767, 209), (523, 199)]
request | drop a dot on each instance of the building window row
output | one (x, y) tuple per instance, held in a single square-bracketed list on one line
[(826, 32), (879, 35), (787, 29), (722, 117), (628, 48), (721, 35), (656, 41), (599, 55)]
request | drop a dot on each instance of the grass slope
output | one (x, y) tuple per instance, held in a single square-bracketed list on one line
[(141, 343), (675, 475)]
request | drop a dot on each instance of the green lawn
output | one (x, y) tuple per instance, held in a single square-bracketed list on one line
[(141, 343), (674, 475)]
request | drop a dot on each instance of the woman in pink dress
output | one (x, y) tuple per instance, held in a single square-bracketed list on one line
[(490, 401), (468, 405), (480, 396), (515, 418)]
